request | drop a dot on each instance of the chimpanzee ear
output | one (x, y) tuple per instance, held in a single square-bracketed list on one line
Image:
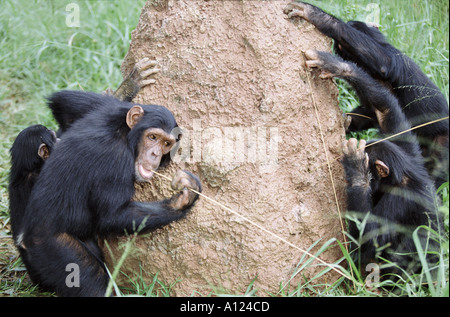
[(382, 169), (134, 115), (43, 151)]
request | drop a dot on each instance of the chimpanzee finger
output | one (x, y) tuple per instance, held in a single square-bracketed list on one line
[(145, 63), (345, 147), (176, 180), (184, 179), (366, 160), (352, 143), (195, 182), (362, 145), (311, 54), (147, 82), (149, 72)]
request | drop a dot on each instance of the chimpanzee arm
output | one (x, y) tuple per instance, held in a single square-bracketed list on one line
[(354, 42), (134, 216), (140, 217), (371, 93)]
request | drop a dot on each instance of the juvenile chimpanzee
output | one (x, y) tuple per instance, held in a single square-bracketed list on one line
[(85, 190), (34, 144), (419, 98), (387, 181), (31, 148)]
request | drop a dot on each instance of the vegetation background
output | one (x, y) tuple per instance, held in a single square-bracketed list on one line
[(41, 53)]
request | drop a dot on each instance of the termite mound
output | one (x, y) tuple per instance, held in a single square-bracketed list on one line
[(233, 74)]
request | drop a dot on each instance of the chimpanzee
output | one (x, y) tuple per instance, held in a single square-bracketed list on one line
[(387, 181), (31, 148), (85, 189), (419, 98), (34, 144)]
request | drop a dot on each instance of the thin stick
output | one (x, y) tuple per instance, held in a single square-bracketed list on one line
[(260, 227), (411, 129)]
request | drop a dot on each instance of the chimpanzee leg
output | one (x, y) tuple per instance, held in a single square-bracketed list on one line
[(66, 265), (70, 106), (138, 78)]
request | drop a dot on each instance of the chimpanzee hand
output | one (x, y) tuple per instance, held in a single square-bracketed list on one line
[(356, 163), (299, 9), (182, 182), (330, 65)]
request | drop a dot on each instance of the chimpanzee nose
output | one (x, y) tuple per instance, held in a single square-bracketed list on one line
[(156, 151)]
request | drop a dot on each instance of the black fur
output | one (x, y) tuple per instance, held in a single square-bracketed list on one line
[(26, 165), (68, 108), (85, 191)]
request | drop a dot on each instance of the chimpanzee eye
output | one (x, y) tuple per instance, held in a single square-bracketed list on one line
[(168, 144), (152, 137)]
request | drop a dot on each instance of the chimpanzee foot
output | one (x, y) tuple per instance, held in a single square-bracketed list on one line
[(139, 77), (143, 70), (298, 9)]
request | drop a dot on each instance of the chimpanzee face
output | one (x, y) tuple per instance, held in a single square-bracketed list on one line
[(154, 144)]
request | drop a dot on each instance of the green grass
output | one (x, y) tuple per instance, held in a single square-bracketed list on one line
[(40, 54)]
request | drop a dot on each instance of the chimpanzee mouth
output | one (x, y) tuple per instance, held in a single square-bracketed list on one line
[(144, 173)]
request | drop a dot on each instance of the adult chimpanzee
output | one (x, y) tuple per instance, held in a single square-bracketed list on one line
[(31, 148), (419, 98), (387, 181), (34, 144), (85, 190)]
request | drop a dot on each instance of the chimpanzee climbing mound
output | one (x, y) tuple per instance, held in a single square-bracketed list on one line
[(419, 98)]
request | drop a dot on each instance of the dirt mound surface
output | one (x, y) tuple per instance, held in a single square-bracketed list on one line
[(233, 74)]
